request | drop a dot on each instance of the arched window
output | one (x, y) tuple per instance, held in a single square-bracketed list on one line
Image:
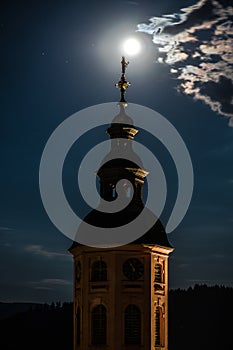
[(99, 271), (114, 194), (128, 192), (126, 189), (132, 325), (99, 324), (158, 273), (78, 326), (159, 329)]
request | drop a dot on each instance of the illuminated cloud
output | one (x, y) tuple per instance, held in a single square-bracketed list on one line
[(197, 43)]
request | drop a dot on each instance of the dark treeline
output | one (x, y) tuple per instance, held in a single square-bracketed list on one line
[(43, 326), (199, 318)]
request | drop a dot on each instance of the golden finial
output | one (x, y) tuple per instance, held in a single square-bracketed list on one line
[(123, 84)]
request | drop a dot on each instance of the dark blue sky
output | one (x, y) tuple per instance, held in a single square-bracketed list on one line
[(58, 58)]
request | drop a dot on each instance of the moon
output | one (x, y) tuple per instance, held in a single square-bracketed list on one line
[(131, 46)]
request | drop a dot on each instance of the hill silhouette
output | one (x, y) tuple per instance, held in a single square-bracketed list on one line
[(199, 318)]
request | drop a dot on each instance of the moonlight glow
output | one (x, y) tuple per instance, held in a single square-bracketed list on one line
[(131, 47)]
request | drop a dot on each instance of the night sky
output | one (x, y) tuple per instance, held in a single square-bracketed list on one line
[(60, 57)]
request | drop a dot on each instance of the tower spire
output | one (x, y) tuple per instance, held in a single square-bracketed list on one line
[(123, 84)]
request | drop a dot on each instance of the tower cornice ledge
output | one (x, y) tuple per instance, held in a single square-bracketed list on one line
[(158, 248)]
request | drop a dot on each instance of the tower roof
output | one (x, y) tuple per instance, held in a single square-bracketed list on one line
[(155, 236)]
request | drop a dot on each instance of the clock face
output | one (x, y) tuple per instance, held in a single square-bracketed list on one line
[(78, 271), (133, 269)]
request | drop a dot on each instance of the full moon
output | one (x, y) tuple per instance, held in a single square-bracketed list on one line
[(131, 47)]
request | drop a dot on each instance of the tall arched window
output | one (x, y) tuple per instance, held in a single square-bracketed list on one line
[(159, 329), (78, 325), (99, 324), (99, 271), (127, 189), (132, 325), (158, 273)]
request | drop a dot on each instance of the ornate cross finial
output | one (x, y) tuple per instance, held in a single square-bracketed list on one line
[(123, 84)]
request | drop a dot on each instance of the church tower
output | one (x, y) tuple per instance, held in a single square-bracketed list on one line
[(121, 293)]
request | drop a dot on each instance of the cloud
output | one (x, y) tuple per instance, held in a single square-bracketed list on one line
[(133, 3), (39, 250), (49, 283), (43, 288), (7, 245), (211, 282), (198, 43), (55, 282), (4, 228)]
